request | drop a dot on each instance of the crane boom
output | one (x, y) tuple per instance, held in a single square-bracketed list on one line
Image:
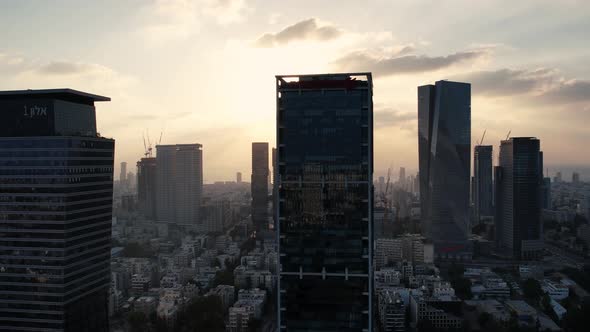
[(482, 137)]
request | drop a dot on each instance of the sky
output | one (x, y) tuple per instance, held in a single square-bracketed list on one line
[(202, 71)]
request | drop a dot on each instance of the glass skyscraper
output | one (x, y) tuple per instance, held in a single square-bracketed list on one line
[(519, 182), (259, 185), (56, 188), (444, 148), (325, 194), (482, 175), (146, 187)]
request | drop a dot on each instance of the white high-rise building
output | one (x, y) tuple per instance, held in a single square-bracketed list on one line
[(179, 183)]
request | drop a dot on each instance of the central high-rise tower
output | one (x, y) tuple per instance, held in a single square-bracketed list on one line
[(325, 176), (444, 146)]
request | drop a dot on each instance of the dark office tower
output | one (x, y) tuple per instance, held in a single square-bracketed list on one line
[(325, 178), (482, 187), (519, 178), (575, 177), (123, 175), (259, 185), (275, 188), (402, 177), (547, 193), (146, 187), (239, 177), (179, 183), (56, 187), (444, 148)]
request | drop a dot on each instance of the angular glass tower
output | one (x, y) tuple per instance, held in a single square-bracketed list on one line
[(56, 188), (444, 148), (482, 174), (325, 171), (519, 184)]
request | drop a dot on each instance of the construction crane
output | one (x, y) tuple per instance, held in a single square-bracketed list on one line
[(147, 148), (508, 135), (482, 136)]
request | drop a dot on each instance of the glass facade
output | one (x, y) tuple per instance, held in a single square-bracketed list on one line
[(55, 214), (325, 168), (483, 191), (146, 187), (259, 185), (55, 235), (444, 147), (519, 183)]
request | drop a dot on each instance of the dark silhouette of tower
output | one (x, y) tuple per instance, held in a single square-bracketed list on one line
[(519, 182), (325, 218), (444, 148), (259, 185), (56, 189)]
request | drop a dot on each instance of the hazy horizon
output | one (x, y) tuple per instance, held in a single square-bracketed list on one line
[(203, 71)]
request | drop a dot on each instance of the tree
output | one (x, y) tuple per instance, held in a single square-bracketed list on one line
[(532, 290), (137, 321), (202, 314), (137, 250), (462, 288), (483, 319)]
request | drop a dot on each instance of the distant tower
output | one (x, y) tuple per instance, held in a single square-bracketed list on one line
[(519, 180), (402, 177), (381, 184), (123, 175), (575, 177), (259, 185), (482, 184), (179, 183), (146, 187), (444, 148), (239, 177)]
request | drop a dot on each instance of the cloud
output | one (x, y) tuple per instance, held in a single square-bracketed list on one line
[(304, 30), (389, 117), (572, 91), (70, 68), (404, 64), (505, 81), (177, 20), (544, 84), (226, 11)]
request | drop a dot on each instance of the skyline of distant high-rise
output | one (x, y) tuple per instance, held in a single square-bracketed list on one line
[(483, 183), (519, 182), (179, 183), (146, 187), (444, 146), (259, 185), (56, 192), (123, 173), (325, 218)]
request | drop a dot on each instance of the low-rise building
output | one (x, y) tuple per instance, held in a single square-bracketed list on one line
[(392, 311), (226, 293), (443, 312)]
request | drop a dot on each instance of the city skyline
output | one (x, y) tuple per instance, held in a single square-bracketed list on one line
[(509, 87)]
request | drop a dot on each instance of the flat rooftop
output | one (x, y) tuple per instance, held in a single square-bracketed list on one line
[(62, 94)]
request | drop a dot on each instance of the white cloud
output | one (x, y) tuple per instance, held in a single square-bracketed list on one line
[(175, 20)]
